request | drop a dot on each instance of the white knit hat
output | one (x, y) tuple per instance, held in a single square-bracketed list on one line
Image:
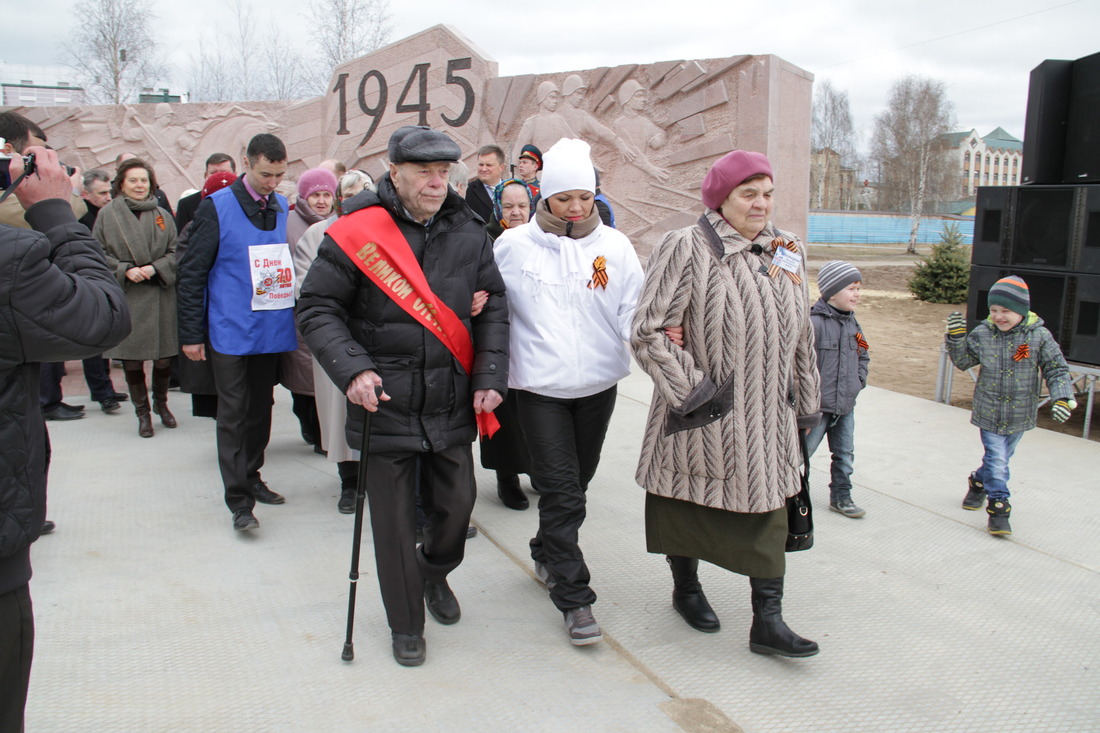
[(567, 167)]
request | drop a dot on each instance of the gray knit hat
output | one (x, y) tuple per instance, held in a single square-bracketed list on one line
[(836, 275), (414, 144)]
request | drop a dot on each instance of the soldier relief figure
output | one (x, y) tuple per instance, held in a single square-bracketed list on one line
[(640, 132)]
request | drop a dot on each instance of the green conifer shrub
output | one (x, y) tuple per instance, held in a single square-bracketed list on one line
[(944, 275)]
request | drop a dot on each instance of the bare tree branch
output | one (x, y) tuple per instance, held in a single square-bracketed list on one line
[(113, 49), (347, 29)]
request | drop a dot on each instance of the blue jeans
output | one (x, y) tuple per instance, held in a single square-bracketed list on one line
[(994, 469), (841, 430)]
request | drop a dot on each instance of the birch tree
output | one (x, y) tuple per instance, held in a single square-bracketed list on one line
[(113, 49), (832, 129)]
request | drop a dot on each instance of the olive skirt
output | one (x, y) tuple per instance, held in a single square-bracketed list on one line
[(749, 544)]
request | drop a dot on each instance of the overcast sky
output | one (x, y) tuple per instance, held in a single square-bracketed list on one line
[(982, 49)]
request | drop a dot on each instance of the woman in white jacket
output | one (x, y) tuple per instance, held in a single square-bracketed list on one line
[(573, 284)]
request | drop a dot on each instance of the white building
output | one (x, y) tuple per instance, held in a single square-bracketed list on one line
[(24, 85), (990, 160)]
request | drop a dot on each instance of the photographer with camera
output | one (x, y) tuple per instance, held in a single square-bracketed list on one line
[(58, 301), (17, 134)]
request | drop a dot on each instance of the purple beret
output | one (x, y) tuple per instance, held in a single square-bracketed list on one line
[(729, 172), (314, 180)]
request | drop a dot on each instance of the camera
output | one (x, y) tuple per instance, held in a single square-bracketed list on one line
[(28, 167)]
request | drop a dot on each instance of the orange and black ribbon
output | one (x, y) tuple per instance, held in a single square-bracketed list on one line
[(774, 270), (862, 342), (160, 222), (1022, 352), (599, 273)]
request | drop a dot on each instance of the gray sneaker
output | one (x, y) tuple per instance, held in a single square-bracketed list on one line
[(582, 626), (847, 507)]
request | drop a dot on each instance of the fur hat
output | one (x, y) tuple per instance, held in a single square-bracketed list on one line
[(568, 168), (314, 180), (729, 172), (835, 276), (1011, 292), (415, 144)]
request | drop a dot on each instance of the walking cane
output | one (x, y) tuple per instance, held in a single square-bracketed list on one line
[(360, 497)]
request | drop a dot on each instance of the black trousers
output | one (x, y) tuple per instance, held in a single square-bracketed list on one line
[(564, 438), (96, 373), (447, 492), (245, 387), (16, 650)]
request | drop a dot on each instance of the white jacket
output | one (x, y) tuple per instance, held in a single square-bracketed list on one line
[(569, 334)]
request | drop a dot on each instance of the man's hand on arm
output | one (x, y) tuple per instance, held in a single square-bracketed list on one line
[(364, 390), (486, 400)]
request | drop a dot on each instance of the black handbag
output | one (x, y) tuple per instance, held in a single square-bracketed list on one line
[(800, 513)]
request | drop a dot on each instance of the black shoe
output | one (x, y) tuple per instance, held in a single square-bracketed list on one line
[(47, 527), (975, 494), (442, 604), (243, 520), (109, 405), (78, 408), (62, 412), (509, 491), (769, 633), (264, 495), (409, 650), (346, 504), (121, 397), (998, 511)]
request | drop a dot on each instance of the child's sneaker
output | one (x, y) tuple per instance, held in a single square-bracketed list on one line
[(844, 505), (975, 494), (998, 511)]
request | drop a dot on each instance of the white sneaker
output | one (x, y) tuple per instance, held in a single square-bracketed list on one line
[(582, 626)]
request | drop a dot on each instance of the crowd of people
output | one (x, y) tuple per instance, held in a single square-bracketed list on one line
[(503, 309)]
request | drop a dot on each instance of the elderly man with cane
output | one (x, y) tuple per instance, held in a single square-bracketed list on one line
[(386, 310)]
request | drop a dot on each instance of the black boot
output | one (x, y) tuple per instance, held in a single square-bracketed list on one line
[(769, 633), (161, 377), (139, 395), (687, 594), (998, 511), (349, 480), (975, 493), (510, 492)]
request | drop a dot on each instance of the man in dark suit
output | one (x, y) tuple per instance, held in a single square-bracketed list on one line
[(188, 205), (490, 169)]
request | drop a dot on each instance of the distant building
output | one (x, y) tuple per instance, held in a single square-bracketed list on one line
[(990, 160), (832, 185), (23, 85)]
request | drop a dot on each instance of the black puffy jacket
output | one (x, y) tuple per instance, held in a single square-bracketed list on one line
[(352, 326), (58, 301)]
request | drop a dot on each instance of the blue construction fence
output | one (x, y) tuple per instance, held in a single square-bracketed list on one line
[(868, 227)]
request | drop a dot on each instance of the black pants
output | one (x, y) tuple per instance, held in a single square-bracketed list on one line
[(447, 492), (16, 650), (564, 438), (96, 373), (245, 395)]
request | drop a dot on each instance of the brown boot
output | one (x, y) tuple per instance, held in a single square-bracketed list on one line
[(160, 395), (139, 395)]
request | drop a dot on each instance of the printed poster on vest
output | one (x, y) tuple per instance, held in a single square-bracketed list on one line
[(272, 277)]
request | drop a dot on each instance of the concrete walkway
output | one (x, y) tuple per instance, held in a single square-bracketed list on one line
[(154, 615)]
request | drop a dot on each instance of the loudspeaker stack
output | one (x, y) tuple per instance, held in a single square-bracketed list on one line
[(1047, 231)]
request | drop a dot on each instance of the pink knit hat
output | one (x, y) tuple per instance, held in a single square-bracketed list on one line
[(729, 172), (314, 180)]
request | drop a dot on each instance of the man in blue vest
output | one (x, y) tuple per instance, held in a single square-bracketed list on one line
[(236, 308)]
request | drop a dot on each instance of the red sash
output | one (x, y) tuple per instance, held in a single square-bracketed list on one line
[(372, 241)]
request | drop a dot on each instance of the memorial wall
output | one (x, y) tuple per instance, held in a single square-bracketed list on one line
[(654, 128)]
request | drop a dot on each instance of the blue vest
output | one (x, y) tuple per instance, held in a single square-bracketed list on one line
[(234, 327), (601, 197)]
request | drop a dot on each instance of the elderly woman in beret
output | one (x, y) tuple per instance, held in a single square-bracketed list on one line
[(721, 452)]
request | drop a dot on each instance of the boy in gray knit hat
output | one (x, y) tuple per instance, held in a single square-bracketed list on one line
[(842, 360)]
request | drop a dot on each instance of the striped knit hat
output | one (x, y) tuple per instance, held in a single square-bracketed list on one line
[(834, 276), (1011, 292)]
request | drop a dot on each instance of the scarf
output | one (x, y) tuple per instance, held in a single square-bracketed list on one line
[(307, 213), (139, 239), (573, 229), (557, 266)]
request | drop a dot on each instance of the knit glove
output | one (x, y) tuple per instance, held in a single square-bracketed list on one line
[(956, 325), (1061, 410)]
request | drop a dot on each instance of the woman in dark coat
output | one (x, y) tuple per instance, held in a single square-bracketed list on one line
[(139, 241)]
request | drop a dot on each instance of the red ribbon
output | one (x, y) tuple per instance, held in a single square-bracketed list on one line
[(371, 240)]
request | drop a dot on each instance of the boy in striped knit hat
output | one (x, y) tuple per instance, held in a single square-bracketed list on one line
[(842, 361), (1015, 351)]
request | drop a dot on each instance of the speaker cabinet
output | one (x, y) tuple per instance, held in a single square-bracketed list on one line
[(991, 225), (1048, 102), (1043, 227), (1068, 303), (1082, 147)]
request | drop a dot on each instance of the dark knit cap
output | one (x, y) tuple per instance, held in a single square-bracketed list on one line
[(1011, 292), (836, 275), (413, 144), (530, 151), (729, 172)]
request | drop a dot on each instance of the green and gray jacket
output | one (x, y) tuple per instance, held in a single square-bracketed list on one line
[(1006, 396)]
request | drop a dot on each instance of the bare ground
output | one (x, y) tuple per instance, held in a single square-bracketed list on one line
[(905, 334)]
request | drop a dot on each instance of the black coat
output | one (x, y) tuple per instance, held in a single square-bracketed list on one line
[(352, 326), (58, 301), (478, 199)]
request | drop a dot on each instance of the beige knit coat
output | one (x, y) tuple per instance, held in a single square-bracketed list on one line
[(746, 331)]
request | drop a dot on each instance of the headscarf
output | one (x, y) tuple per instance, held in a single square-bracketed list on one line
[(498, 194)]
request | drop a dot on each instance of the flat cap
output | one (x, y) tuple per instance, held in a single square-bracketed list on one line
[(413, 144)]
